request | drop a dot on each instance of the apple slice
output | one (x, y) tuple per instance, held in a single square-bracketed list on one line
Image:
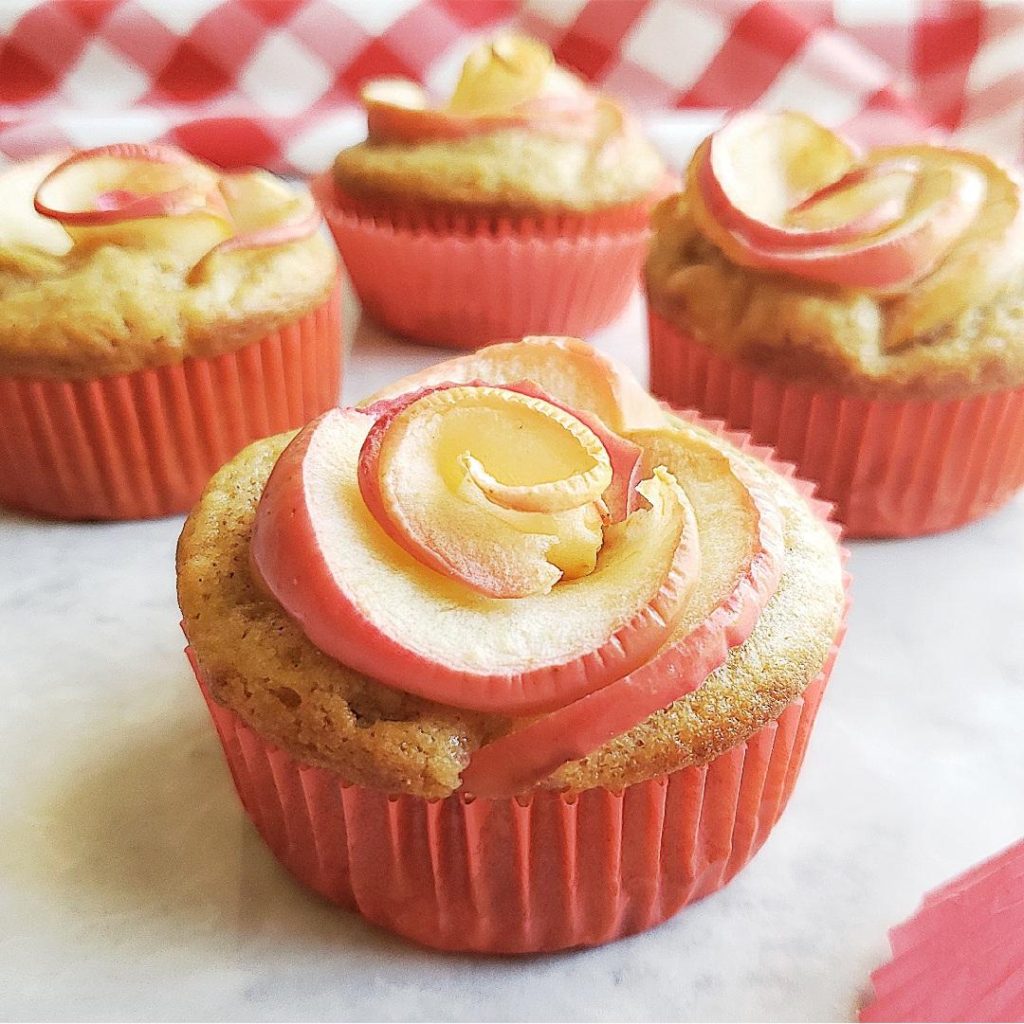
[(363, 599), (862, 202), (944, 203), (759, 166), (510, 83), (780, 192), (398, 110), (985, 256), (499, 76), (21, 227), (721, 615), (567, 370), (265, 212), (430, 450), (137, 195), (621, 497), (110, 184)]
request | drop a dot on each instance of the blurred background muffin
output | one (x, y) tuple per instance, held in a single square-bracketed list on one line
[(517, 206), (155, 316), (863, 314)]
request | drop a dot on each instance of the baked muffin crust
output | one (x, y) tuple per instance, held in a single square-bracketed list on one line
[(514, 169)]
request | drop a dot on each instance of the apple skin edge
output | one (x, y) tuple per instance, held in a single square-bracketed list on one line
[(763, 234), (621, 497), (384, 412), (389, 122)]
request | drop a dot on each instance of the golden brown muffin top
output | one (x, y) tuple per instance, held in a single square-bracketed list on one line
[(519, 133), (259, 663), (121, 304), (955, 330)]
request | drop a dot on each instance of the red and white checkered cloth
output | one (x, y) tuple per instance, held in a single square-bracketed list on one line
[(274, 82)]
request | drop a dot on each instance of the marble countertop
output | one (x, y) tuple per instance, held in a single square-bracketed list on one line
[(133, 887)]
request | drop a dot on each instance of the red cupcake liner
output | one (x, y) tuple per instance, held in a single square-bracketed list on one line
[(144, 444), (893, 468), (536, 874), (529, 874), (470, 284)]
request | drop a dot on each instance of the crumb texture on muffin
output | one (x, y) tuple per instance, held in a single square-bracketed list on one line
[(259, 663), (90, 311), (514, 168)]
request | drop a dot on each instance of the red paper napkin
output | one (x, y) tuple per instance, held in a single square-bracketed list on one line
[(961, 956)]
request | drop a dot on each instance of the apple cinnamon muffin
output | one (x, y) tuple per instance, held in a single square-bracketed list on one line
[(517, 205), (156, 314), (863, 313), (429, 648)]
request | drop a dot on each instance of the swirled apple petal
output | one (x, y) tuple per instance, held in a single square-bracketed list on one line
[(748, 553)]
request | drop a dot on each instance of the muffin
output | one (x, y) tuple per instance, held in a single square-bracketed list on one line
[(511, 702), (156, 315), (863, 314), (518, 206)]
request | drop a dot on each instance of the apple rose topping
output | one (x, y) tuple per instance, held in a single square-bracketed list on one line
[(486, 502), (490, 547), (158, 196), (512, 82), (780, 192)]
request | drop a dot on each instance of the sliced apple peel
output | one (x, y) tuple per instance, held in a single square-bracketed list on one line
[(265, 212), (124, 182), (160, 197), (764, 164), (600, 391)]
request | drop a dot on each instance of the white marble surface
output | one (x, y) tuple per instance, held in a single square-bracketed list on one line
[(133, 887)]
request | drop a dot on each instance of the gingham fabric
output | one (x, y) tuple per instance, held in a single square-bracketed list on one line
[(274, 82)]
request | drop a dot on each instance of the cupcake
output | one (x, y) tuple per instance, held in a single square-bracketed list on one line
[(863, 314), (156, 315), (520, 205), (511, 698)]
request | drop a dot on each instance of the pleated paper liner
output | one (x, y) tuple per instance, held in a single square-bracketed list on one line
[(465, 282), (144, 444), (961, 956), (892, 468), (522, 875)]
